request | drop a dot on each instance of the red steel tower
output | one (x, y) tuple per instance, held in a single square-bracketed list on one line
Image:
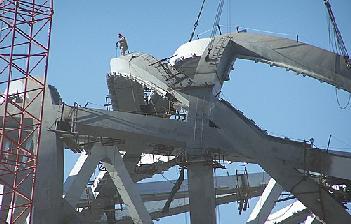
[(24, 51)]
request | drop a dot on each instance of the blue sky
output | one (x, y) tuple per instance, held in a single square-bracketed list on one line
[(85, 32)]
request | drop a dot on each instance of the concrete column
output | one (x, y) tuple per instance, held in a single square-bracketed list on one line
[(79, 176), (126, 187), (5, 204), (266, 203), (48, 202), (201, 193), (49, 186)]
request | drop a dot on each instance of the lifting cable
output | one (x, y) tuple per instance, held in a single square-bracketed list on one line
[(217, 18), (229, 17), (338, 46), (1, 29), (339, 42), (215, 25), (337, 100), (197, 20)]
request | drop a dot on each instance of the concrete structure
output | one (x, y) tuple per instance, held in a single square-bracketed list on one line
[(266, 203), (293, 213), (172, 109), (198, 72)]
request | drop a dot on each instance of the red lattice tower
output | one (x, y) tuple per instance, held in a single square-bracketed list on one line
[(24, 50)]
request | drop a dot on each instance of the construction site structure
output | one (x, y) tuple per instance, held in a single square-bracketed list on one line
[(172, 111)]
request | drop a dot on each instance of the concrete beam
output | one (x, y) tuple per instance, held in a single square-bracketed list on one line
[(178, 206), (275, 155), (126, 187), (84, 168), (291, 214), (160, 190), (149, 130), (298, 154), (153, 191), (80, 174), (266, 203), (300, 57), (96, 122), (146, 70)]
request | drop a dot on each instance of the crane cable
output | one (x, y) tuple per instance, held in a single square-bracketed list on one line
[(197, 21), (229, 17), (339, 104), (338, 46), (217, 19), (339, 42), (215, 25), (2, 26)]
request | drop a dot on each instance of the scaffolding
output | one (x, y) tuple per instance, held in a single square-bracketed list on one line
[(24, 50)]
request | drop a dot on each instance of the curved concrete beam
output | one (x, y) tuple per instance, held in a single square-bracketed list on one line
[(148, 71), (275, 51)]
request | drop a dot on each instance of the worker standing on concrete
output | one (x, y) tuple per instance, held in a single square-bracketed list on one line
[(122, 43)]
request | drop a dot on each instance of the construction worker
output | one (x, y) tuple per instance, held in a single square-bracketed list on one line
[(122, 43)]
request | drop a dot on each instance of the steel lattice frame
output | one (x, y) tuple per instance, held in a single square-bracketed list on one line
[(24, 50)]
